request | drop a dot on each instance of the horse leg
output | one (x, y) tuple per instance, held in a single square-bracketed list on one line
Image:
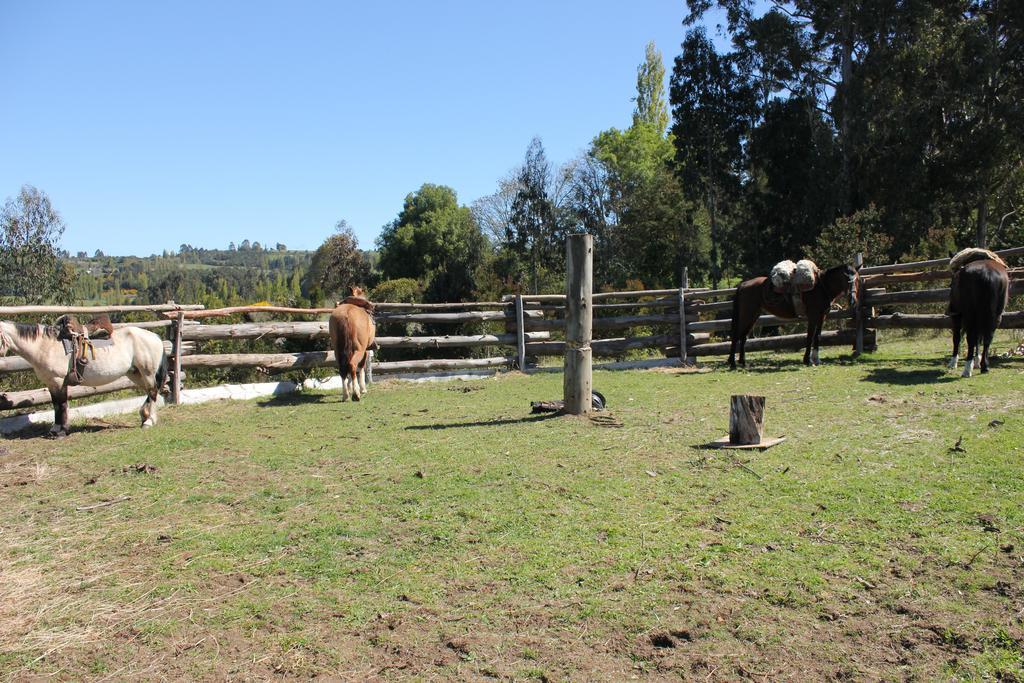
[(817, 341), (741, 326), (353, 373), (984, 354), (148, 410), (972, 349), (957, 334), (342, 371), (737, 331), (60, 412), (362, 376), (810, 342)]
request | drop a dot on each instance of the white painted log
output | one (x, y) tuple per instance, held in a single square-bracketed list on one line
[(33, 397)]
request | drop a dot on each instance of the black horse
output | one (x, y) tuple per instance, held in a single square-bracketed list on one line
[(977, 297), (754, 295)]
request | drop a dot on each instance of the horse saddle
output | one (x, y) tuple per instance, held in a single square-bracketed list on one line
[(81, 341), (790, 280)]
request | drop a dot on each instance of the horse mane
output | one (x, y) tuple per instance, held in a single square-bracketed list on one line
[(30, 331), (361, 302), (973, 254), (842, 267)]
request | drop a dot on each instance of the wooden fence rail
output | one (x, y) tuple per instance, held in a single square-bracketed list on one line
[(529, 323)]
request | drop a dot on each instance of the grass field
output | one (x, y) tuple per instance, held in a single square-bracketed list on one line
[(442, 532)]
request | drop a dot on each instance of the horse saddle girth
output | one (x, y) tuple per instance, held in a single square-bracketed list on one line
[(85, 346), (786, 300)]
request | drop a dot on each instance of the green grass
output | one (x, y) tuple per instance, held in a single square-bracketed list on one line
[(440, 530)]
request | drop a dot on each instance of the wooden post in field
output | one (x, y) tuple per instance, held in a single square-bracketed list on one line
[(858, 315), (682, 325), (520, 333), (176, 350), (684, 284), (746, 420), (579, 318)]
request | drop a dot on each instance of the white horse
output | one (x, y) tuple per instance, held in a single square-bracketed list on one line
[(136, 354)]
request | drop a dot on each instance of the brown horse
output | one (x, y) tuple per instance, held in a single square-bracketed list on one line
[(352, 334), (978, 295), (756, 294)]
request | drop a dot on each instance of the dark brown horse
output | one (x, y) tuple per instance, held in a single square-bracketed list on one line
[(977, 297), (352, 334), (756, 294)]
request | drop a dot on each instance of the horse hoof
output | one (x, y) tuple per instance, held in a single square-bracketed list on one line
[(356, 397)]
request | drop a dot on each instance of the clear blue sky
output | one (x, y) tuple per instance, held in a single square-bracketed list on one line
[(155, 124)]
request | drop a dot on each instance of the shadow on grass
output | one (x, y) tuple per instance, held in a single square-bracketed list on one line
[(909, 371), (895, 375), (298, 398), (487, 423), (42, 431)]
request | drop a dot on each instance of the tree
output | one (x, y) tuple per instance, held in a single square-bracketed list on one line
[(493, 213), (337, 264), (435, 241), (538, 221), (923, 101), (650, 91), (628, 198), (30, 231), (710, 108)]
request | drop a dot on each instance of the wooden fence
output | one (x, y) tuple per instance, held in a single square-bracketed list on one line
[(530, 327)]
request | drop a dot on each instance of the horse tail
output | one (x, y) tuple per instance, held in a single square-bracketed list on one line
[(983, 296), (162, 373), (734, 327), (344, 347)]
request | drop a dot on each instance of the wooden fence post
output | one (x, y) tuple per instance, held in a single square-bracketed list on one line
[(579, 318), (176, 350), (858, 315), (520, 333), (682, 323)]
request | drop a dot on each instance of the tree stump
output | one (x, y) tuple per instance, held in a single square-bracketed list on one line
[(746, 420), (746, 425)]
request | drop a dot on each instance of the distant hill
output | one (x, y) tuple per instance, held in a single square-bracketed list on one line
[(192, 275)]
